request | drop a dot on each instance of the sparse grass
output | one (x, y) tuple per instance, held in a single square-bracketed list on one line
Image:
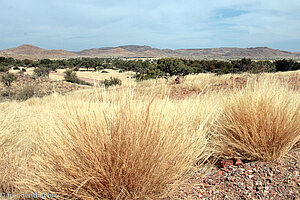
[(260, 122), (197, 82)]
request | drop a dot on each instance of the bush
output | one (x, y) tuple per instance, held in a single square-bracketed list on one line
[(7, 79), (42, 71), (261, 122), (4, 68), (26, 92), (107, 66), (100, 68), (71, 76), (286, 65), (112, 82)]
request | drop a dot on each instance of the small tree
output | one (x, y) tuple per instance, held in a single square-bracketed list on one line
[(42, 71), (71, 76), (172, 66), (7, 79)]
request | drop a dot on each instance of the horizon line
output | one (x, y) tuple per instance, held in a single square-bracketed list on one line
[(196, 48)]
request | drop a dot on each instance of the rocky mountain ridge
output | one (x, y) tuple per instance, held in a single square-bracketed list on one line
[(136, 51)]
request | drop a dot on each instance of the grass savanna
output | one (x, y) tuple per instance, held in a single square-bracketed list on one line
[(136, 142), (115, 146)]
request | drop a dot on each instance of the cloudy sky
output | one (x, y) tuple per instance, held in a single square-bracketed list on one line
[(82, 24)]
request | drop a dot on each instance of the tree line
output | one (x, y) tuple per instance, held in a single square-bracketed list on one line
[(148, 69)]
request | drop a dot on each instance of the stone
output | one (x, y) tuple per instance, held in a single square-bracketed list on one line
[(238, 162), (225, 163)]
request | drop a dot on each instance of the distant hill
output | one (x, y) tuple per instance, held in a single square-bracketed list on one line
[(33, 52), (236, 53), (125, 51)]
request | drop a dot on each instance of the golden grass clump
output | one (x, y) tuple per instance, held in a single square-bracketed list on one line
[(259, 122), (17, 124), (121, 148)]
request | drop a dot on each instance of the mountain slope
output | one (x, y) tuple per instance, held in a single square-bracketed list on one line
[(33, 52)]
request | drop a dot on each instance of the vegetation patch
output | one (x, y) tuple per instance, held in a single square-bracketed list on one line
[(112, 82), (259, 122), (71, 76)]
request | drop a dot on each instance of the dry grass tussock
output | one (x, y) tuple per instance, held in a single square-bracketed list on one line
[(121, 146), (17, 131), (259, 122), (135, 142)]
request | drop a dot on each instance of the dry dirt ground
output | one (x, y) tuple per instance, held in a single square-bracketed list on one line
[(92, 76)]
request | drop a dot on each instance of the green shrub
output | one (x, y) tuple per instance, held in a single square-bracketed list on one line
[(71, 76), (112, 81), (100, 68), (4, 68), (42, 71), (107, 66), (7, 79)]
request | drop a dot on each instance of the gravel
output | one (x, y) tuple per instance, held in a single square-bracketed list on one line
[(234, 179)]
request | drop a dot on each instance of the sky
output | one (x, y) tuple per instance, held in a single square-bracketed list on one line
[(174, 24)]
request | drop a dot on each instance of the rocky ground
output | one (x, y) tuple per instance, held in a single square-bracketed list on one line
[(235, 179)]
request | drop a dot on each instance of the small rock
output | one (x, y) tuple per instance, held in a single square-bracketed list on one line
[(220, 172), (238, 162), (225, 163)]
